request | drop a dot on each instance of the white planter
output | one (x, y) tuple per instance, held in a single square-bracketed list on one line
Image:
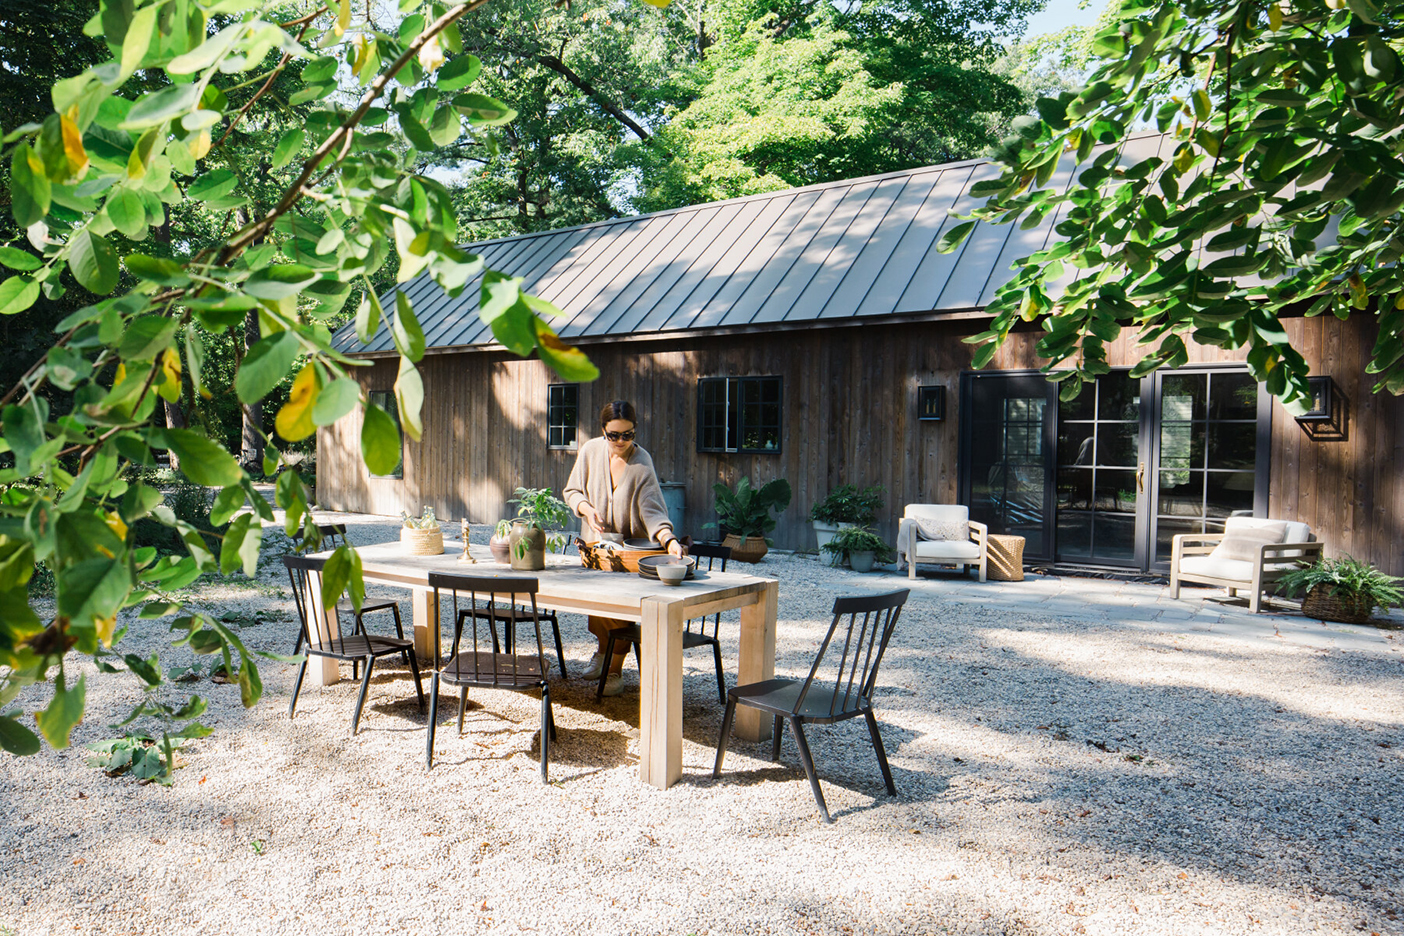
[(861, 561), (823, 532)]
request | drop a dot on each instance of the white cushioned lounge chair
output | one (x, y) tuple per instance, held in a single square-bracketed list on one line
[(1250, 555), (941, 533)]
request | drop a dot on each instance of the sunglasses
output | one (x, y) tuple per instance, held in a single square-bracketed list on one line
[(625, 436)]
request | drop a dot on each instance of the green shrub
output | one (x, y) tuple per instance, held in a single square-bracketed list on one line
[(847, 504), (857, 539)]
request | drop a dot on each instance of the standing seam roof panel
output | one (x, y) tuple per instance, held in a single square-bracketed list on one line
[(922, 231), (839, 262)]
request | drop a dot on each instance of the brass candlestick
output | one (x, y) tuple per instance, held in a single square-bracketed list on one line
[(467, 556)]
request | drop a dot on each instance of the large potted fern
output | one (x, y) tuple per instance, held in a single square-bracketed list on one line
[(1345, 590), (743, 515)]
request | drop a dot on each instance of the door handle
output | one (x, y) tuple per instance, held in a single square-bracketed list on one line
[(1141, 478)]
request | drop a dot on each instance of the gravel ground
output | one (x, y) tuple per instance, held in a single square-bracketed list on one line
[(1056, 775)]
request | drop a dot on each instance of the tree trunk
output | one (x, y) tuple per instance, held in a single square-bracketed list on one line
[(175, 419), (251, 446)]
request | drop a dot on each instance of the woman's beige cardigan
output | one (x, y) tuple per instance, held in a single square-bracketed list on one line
[(635, 508)]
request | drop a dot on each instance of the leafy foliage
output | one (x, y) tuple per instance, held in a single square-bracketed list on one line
[(541, 509), (117, 189), (1353, 582), (850, 540), (847, 504), (746, 511), (1280, 192)]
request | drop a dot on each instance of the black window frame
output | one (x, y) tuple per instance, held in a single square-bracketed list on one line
[(385, 399), (723, 404), (555, 408)]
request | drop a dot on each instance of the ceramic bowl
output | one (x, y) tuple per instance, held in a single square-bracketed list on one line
[(672, 573)]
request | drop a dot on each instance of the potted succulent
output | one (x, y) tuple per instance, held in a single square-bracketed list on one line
[(845, 505), (861, 547), (500, 543), (1345, 590), (743, 515), (541, 515), (422, 535)]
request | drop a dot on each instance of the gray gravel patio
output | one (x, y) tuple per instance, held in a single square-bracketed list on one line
[(1072, 756)]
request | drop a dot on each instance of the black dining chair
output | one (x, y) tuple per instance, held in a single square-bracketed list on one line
[(691, 638), (502, 667), (357, 648), (511, 616), (334, 536), (832, 692)]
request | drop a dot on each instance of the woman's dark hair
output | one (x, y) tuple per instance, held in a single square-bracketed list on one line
[(618, 409)]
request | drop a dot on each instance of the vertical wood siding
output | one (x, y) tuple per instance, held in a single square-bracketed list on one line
[(849, 417)]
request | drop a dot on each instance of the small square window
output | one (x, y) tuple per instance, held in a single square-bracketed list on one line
[(739, 414), (562, 415), (386, 401)]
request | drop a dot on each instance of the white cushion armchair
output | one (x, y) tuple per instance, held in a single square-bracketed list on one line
[(1250, 555), (941, 533)]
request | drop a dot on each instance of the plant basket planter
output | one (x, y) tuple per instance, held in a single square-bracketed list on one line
[(1319, 603), (594, 556), (754, 550), (862, 561), (416, 542)]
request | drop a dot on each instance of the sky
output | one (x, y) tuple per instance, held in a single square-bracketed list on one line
[(1063, 13)]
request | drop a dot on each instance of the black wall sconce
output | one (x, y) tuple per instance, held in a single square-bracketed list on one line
[(1322, 401), (931, 403)]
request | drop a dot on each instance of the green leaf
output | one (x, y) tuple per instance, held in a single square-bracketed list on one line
[(953, 238), (409, 337), (159, 106), (93, 262), (158, 270), (204, 54), (17, 259), (409, 398), (16, 738), (336, 575), (280, 281), (128, 213), (446, 126), (213, 185), (203, 460), (63, 714), (241, 545), (288, 147), (227, 503), (380, 441), (93, 588), (265, 364), (30, 192), (568, 361), (137, 40), (24, 432), (336, 400), (157, 609), (368, 316), (482, 110), (17, 294), (146, 337), (459, 73)]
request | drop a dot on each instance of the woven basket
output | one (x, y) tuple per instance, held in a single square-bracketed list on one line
[(754, 550), (593, 556), (415, 542), (1004, 558), (1319, 603)]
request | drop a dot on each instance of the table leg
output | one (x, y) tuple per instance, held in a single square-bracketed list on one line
[(660, 693), (426, 624), (321, 671), (757, 662)]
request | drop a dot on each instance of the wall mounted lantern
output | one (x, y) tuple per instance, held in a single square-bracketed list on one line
[(931, 403), (1322, 400)]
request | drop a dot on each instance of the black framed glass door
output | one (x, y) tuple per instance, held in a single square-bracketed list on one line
[(1108, 478)]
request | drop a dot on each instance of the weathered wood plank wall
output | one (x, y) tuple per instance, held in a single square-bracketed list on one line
[(849, 416)]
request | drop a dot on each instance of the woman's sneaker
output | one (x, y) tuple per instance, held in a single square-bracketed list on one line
[(614, 684), (596, 664)]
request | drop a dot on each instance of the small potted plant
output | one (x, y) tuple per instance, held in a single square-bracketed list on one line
[(500, 543), (1344, 590), (743, 515), (422, 535), (541, 515), (845, 506), (861, 547)]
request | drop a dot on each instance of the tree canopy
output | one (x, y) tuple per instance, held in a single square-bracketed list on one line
[(1280, 195)]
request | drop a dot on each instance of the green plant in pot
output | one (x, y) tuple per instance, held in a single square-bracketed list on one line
[(500, 543), (541, 516), (744, 515), (845, 505), (861, 547), (1345, 590)]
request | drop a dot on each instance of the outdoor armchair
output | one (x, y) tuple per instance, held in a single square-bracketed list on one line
[(942, 533), (1250, 555)]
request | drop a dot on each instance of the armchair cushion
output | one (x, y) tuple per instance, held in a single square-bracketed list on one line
[(1242, 541), (948, 550), (946, 522)]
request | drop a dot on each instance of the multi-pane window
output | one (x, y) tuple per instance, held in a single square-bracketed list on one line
[(738, 414), (386, 401), (562, 415)]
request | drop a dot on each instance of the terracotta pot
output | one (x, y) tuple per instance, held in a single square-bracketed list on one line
[(754, 550), (528, 547), (501, 547)]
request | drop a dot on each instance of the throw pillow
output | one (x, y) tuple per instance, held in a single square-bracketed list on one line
[(944, 530), (1243, 542)]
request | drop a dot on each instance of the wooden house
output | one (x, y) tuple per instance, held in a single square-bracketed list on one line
[(816, 335)]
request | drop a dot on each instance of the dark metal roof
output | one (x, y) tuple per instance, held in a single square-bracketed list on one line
[(841, 250)]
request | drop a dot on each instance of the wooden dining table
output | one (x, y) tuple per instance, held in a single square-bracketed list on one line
[(565, 585)]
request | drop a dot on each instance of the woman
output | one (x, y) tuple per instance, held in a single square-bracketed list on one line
[(613, 489)]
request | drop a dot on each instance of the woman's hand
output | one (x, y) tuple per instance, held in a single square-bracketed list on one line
[(676, 548), (590, 516)]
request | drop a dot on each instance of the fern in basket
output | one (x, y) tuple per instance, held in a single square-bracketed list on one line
[(1356, 584)]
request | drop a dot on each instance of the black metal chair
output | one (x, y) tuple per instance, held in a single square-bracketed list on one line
[(334, 534), (691, 638), (845, 690), (500, 668), (513, 615), (355, 648)]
